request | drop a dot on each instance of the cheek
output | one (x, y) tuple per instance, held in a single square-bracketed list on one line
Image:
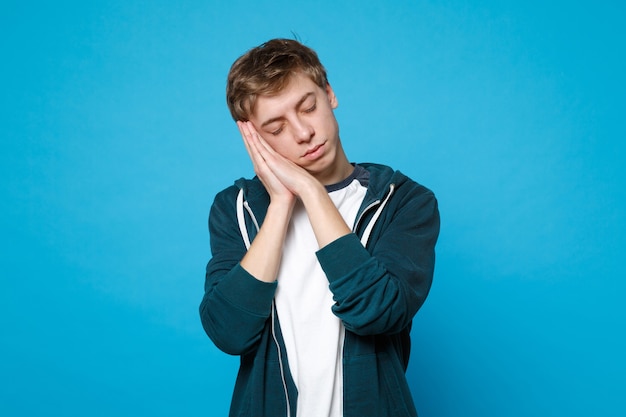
[(326, 114), (278, 145)]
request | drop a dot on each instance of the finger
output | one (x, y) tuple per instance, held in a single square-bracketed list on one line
[(262, 144), (262, 150), (245, 134), (240, 126), (248, 141), (250, 135)]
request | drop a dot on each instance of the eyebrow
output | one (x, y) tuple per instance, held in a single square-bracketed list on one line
[(298, 104)]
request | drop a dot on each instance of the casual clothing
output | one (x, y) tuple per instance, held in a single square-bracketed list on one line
[(313, 335), (379, 277)]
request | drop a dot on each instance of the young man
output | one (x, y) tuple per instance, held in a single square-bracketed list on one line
[(318, 265)]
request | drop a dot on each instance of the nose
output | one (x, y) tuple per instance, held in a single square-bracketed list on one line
[(302, 130)]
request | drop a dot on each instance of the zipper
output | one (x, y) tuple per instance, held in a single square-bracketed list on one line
[(280, 362)]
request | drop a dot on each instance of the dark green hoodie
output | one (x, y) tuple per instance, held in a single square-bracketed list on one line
[(379, 275)]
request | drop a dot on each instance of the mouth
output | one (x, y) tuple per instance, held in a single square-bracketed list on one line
[(314, 151)]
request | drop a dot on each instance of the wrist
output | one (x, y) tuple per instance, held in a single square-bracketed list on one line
[(310, 189), (281, 205)]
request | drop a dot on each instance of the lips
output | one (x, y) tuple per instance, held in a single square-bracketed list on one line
[(312, 152)]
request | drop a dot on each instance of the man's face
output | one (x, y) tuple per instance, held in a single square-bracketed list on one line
[(300, 125)]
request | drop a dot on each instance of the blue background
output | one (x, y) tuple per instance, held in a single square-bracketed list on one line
[(115, 138)]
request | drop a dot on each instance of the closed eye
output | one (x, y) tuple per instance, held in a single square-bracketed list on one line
[(310, 109)]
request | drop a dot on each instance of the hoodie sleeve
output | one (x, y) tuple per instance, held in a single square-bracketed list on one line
[(378, 290), (235, 306)]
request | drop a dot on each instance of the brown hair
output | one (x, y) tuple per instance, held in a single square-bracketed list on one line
[(266, 70)]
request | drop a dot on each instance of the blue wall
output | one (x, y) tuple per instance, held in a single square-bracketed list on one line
[(115, 138)]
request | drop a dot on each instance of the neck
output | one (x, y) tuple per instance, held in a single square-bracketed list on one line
[(339, 171)]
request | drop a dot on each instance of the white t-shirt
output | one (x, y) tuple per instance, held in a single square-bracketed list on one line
[(313, 334)]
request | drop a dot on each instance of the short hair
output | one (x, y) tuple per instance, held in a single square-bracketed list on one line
[(266, 70)]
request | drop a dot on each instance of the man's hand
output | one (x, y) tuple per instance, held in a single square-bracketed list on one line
[(275, 171), (259, 154)]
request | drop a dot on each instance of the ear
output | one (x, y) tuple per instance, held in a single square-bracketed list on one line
[(332, 98)]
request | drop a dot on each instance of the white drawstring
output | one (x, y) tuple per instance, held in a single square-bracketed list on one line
[(372, 222), (241, 220)]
